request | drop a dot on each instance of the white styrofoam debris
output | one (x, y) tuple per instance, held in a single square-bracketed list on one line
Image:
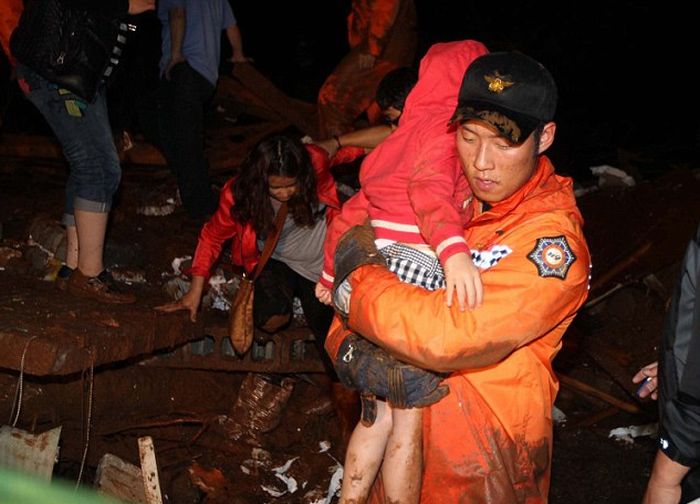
[(280, 471), (272, 491), (627, 434), (607, 173), (244, 469), (324, 446), (334, 485), (177, 262), (558, 416)]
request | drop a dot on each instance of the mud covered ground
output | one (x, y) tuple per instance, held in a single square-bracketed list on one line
[(192, 414)]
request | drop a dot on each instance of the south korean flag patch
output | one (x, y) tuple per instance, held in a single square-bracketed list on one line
[(552, 256)]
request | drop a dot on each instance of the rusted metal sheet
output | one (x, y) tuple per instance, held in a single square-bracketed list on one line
[(288, 351), (59, 335)]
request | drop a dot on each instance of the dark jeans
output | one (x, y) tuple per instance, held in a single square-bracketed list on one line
[(83, 130), (275, 289), (185, 97)]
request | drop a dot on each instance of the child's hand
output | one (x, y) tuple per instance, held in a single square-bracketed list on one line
[(323, 293), (461, 275)]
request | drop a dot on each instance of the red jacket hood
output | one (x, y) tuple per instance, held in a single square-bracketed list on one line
[(429, 107)]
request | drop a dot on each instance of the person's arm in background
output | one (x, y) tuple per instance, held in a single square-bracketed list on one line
[(367, 138), (233, 33), (177, 19)]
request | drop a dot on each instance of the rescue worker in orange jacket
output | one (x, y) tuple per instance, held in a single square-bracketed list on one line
[(382, 37), (10, 11), (490, 439)]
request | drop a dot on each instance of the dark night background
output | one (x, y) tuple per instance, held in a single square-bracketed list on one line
[(625, 70)]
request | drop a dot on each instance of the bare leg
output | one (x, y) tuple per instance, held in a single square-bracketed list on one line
[(72, 247), (403, 459), (91, 227), (364, 456)]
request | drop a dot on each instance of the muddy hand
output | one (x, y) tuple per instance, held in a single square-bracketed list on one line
[(181, 304)]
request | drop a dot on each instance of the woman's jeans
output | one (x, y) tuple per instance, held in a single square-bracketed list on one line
[(83, 130)]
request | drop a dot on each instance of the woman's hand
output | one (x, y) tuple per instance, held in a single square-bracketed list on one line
[(647, 376), (190, 301)]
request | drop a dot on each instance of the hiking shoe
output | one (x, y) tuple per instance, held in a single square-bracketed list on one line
[(62, 277), (97, 288)]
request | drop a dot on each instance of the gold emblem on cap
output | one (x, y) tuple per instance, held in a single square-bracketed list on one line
[(497, 82)]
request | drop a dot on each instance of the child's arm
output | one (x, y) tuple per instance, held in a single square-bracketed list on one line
[(437, 191), (462, 276)]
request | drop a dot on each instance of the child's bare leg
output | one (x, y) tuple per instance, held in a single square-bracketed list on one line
[(364, 456), (403, 459)]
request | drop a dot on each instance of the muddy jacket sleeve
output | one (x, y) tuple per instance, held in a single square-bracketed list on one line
[(679, 399), (521, 304)]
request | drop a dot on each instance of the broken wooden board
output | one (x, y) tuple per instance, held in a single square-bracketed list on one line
[(149, 470), (120, 479), (264, 94)]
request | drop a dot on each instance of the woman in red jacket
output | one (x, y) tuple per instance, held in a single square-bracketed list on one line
[(278, 169)]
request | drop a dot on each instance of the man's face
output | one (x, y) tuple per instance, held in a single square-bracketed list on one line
[(494, 167)]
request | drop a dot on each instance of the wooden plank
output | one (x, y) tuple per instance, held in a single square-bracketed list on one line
[(585, 388), (149, 470), (298, 113)]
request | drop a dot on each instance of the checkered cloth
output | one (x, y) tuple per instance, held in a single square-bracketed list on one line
[(413, 266)]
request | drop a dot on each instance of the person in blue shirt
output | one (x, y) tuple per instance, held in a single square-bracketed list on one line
[(189, 68)]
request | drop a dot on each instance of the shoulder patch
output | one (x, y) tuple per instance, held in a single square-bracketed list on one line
[(552, 256)]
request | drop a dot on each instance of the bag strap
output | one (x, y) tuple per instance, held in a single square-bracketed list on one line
[(271, 241)]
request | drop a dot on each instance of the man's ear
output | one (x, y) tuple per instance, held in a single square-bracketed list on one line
[(547, 137)]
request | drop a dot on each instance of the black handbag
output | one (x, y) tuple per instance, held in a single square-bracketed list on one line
[(74, 48)]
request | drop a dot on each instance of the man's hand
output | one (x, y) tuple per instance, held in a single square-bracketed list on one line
[(648, 377), (323, 293), (175, 59), (461, 275), (139, 6)]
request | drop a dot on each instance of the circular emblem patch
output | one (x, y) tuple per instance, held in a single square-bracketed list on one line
[(552, 256)]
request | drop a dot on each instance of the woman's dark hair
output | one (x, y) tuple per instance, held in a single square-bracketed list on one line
[(282, 156)]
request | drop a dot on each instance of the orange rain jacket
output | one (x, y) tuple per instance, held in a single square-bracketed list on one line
[(490, 439), (384, 29), (10, 12)]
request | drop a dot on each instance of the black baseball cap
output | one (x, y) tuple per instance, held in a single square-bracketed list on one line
[(508, 90)]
